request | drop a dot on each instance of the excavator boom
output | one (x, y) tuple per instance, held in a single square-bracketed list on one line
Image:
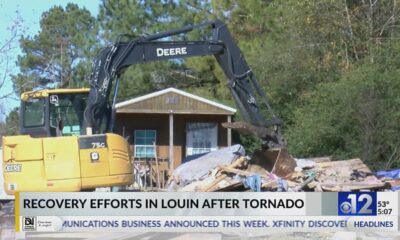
[(242, 83)]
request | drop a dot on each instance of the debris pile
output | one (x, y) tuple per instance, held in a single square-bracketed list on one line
[(230, 169), (390, 177)]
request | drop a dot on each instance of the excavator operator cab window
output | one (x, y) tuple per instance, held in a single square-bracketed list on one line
[(34, 110), (66, 113)]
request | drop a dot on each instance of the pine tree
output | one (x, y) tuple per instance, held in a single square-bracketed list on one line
[(59, 54)]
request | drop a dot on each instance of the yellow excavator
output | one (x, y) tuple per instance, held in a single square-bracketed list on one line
[(69, 144), (51, 154)]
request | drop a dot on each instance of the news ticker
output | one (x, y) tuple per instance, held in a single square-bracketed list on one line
[(206, 212)]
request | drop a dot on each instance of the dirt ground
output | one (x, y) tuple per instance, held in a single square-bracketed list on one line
[(7, 222)]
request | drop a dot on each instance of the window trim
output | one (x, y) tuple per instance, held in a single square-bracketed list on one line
[(144, 145)]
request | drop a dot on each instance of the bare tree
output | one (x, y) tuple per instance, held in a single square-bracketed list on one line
[(8, 51)]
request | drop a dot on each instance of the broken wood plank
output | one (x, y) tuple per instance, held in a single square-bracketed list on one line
[(353, 186), (229, 184), (238, 162), (273, 184), (346, 165), (270, 185), (393, 182), (239, 172), (320, 159), (215, 182), (342, 172)]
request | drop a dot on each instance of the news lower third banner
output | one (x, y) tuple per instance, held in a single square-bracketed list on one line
[(206, 212)]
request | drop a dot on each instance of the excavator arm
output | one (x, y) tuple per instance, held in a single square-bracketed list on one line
[(242, 83)]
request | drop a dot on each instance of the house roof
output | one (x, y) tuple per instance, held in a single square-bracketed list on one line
[(135, 103)]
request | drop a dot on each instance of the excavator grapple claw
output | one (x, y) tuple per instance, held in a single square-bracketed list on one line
[(276, 160)]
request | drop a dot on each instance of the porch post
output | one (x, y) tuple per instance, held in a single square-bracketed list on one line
[(229, 135), (171, 140)]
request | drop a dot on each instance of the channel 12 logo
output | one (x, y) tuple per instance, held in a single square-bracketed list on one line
[(357, 204)]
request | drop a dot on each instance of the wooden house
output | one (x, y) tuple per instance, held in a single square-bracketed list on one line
[(171, 124)]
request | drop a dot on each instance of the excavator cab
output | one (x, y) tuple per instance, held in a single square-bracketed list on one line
[(53, 112)]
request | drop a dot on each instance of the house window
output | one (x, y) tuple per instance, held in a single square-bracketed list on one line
[(145, 141), (201, 138)]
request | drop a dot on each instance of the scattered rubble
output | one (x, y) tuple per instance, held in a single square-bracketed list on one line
[(230, 170), (199, 168)]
